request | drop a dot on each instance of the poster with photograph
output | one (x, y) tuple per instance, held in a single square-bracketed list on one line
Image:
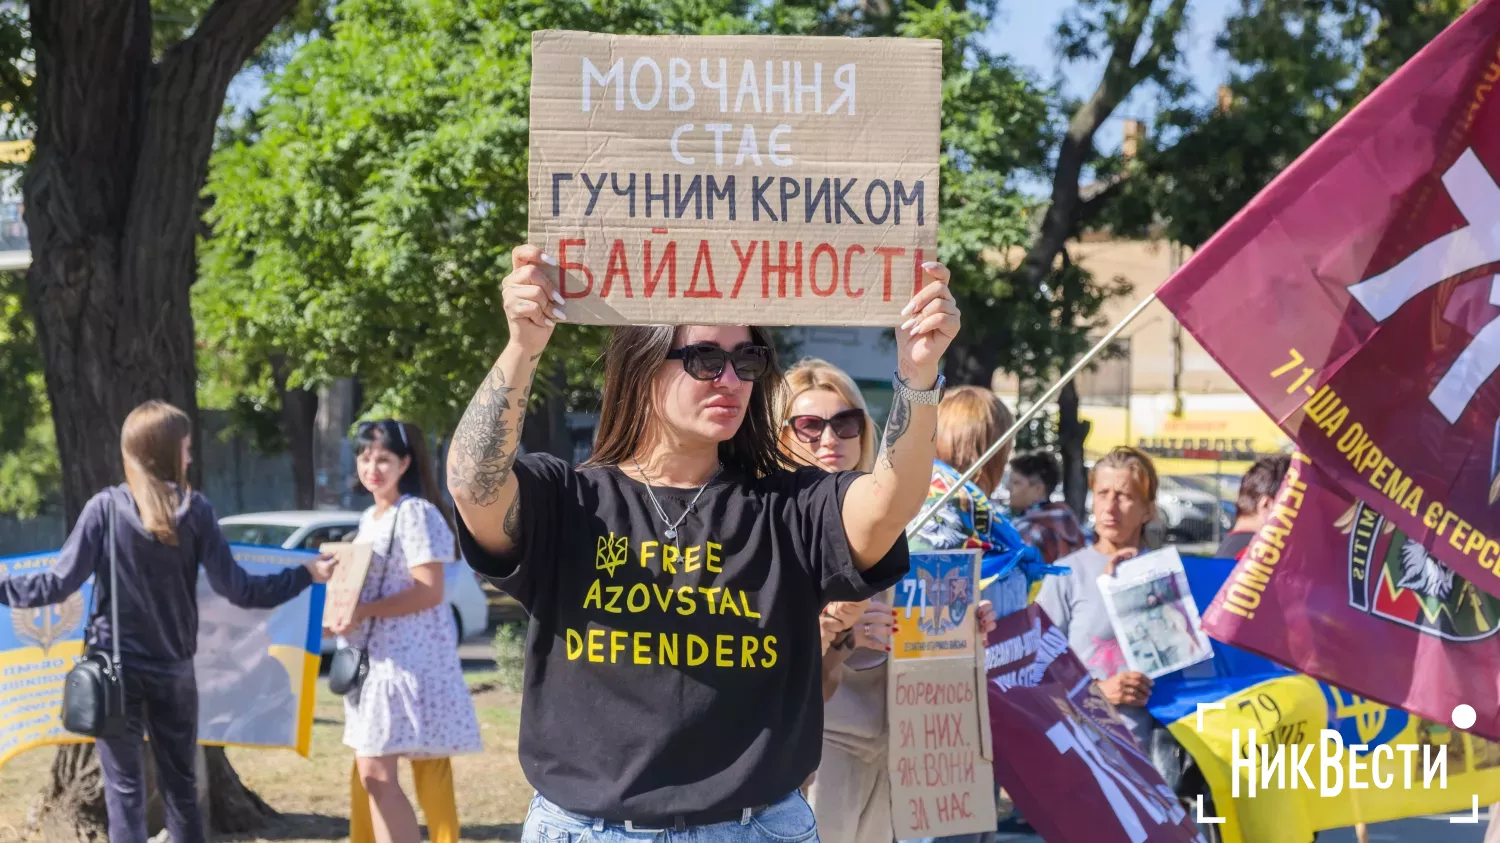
[(1153, 614)]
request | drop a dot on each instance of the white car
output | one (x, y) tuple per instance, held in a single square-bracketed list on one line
[(307, 529)]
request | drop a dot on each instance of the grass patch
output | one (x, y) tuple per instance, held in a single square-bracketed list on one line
[(312, 794)]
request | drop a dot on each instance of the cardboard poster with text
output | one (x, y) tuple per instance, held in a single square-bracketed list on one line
[(734, 179), (942, 779), (348, 580)]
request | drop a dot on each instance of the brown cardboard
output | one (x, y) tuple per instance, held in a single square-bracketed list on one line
[(347, 582), (940, 759), (942, 778), (733, 237)]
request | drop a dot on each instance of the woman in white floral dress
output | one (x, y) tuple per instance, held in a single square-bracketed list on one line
[(414, 702)]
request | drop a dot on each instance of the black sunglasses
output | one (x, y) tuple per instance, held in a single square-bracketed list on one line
[(384, 424), (846, 425), (705, 361)]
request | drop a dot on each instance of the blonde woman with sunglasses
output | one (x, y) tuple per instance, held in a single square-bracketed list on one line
[(827, 424)]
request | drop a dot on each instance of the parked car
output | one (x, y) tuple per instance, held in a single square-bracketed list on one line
[(1190, 514), (1224, 487), (308, 529)]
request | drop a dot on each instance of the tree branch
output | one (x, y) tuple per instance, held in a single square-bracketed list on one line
[(1163, 40), (182, 108), (1120, 77), (1089, 209)]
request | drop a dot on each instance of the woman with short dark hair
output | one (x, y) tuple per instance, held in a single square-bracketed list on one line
[(674, 582)]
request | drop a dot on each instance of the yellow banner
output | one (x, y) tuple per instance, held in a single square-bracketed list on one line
[(1369, 763)]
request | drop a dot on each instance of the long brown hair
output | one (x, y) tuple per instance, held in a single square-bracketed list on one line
[(405, 439), (812, 373), (970, 419), (151, 446), (634, 356)]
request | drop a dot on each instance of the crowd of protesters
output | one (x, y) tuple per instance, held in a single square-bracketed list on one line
[(711, 466)]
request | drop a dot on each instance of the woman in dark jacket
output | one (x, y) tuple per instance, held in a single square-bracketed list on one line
[(163, 532)]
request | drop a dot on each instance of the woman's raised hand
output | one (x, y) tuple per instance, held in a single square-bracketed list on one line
[(533, 306), (931, 324)]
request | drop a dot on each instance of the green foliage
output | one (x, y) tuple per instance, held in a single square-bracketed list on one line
[(362, 220), (30, 475), (1297, 68), (510, 655)]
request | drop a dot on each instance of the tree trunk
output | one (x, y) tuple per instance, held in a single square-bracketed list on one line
[(299, 418), (232, 808), (299, 412), (111, 206), (337, 406), (71, 807), (1071, 433)]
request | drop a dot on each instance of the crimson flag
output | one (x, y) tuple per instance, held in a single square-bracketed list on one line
[(1061, 750), (1335, 589), (1357, 299)]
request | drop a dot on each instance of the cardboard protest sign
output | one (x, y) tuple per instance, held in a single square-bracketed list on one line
[(1062, 752), (734, 179), (347, 582), (942, 781)]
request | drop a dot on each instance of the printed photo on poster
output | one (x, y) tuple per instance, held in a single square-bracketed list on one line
[(936, 605), (1153, 614)]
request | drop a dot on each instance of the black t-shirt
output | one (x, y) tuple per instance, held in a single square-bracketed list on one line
[(662, 681)]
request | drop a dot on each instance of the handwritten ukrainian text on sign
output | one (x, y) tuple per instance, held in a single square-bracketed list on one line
[(942, 780), (735, 179)]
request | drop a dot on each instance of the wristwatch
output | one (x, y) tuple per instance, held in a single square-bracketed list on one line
[(915, 396)]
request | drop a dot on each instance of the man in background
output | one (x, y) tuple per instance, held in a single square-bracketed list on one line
[(1047, 525), (1256, 501)]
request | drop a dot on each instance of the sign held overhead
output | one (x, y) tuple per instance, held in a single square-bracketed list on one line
[(735, 179)]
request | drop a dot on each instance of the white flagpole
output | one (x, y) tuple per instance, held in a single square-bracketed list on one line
[(1036, 408)]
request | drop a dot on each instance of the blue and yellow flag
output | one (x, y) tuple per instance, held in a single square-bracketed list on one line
[(1384, 764), (257, 669)]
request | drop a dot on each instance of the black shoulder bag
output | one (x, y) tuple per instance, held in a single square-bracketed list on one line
[(350, 665), (94, 691)]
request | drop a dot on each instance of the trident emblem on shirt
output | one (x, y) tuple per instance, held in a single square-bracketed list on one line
[(611, 553)]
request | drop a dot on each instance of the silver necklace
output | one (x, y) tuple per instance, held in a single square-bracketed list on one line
[(672, 526)]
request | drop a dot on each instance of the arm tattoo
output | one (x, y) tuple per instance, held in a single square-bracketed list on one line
[(512, 525), (485, 442), (895, 428)]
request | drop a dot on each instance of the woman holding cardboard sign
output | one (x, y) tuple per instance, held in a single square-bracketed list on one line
[(850, 794), (674, 582), (414, 702)]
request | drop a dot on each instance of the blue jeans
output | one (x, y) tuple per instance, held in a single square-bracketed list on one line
[(788, 821)]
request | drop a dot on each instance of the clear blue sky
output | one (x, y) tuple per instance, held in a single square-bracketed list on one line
[(1026, 30)]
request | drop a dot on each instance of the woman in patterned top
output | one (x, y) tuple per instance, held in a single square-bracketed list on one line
[(414, 702)]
